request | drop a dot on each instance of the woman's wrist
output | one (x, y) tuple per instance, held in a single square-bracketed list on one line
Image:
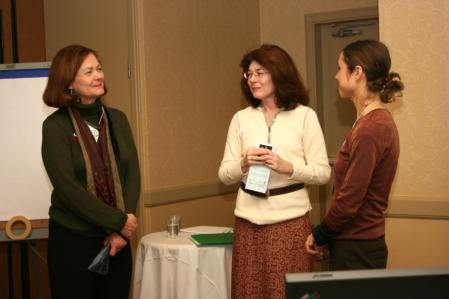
[(243, 167), (287, 168)]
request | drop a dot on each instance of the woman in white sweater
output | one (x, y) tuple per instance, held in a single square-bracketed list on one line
[(270, 229)]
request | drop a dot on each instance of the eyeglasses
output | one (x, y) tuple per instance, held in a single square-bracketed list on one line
[(257, 74)]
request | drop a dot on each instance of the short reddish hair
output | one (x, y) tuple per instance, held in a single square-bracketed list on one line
[(63, 70)]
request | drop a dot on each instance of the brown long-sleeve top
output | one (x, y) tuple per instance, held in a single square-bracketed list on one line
[(363, 174)]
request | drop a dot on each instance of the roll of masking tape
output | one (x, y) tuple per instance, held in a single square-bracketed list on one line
[(11, 222)]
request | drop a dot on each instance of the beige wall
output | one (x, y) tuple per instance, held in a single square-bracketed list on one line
[(416, 243), (192, 51), (88, 23), (216, 210), (418, 37), (282, 22), (417, 34)]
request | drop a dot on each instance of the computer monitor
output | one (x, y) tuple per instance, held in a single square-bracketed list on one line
[(367, 284)]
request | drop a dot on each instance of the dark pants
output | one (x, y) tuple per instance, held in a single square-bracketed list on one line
[(69, 255), (358, 254)]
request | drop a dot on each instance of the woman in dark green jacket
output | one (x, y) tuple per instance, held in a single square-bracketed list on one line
[(91, 160)]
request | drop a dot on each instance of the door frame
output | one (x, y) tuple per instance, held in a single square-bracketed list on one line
[(312, 21)]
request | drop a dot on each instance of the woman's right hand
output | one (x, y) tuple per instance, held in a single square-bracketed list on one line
[(130, 226), (253, 156)]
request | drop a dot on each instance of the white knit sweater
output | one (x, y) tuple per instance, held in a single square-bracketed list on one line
[(298, 139)]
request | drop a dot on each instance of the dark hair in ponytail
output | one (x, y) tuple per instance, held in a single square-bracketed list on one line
[(373, 57)]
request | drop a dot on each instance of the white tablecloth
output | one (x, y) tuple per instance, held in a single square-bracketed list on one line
[(177, 268)]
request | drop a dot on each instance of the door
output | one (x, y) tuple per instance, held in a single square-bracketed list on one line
[(337, 115)]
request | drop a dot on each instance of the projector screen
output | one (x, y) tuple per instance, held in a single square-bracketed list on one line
[(25, 188)]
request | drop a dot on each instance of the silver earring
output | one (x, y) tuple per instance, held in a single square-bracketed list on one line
[(70, 90)]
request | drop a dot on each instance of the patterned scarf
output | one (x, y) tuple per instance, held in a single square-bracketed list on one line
[(101, 169)]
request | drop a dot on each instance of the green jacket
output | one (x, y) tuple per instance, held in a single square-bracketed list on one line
[(72, 206)]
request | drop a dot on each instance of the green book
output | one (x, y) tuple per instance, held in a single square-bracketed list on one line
[(212, 239)]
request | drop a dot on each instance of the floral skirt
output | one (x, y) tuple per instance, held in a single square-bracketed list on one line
[(263, 254)]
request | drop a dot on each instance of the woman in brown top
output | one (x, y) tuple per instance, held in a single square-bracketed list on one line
[(364, 169)]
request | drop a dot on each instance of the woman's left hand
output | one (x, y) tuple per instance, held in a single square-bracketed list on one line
[(275, 162), (117, 243)]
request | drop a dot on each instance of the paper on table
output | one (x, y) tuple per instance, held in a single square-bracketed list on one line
[(204, 229)]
